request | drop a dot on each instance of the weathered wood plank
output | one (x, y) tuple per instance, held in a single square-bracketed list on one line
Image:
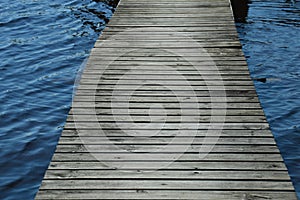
[(166, 175), (166, 58), (168, 185), (171, 112), (158, 142), (197, 93), (170, 195), (190, 166), (166, 99), (243, 133), (197, 65), (157, 119), (151, 157), (179, 105), (68, 145)]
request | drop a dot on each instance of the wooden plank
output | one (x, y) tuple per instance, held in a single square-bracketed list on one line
[(170, 195), (169, 44), (182, 105), (150, 53), (168, 185), (197, 65), (244, 133), (166, 175), (158, 142), (179, 157), (167, 59), (168, 21), (157, 119), (177, 74), (216, 66), (166, 126), (208, 77), (171, 112), (171, 29), (175, 166), (165, 99), (186, 51), (197, 93), (68, 145)]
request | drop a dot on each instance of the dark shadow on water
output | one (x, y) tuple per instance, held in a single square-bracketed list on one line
[(112, 3), (240, 10)]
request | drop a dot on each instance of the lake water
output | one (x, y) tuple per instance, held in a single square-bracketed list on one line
[(271, 43), (43, 44)]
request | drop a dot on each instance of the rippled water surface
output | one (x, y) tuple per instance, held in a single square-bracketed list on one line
[(271, 43), (42, 46)]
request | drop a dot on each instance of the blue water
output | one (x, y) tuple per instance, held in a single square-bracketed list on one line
[(42, 46), (271, 43)]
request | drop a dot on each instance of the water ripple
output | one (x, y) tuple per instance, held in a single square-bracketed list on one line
[(42, 46), (271, 44)]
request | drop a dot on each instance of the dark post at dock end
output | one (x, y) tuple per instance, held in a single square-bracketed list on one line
[(240, 10)]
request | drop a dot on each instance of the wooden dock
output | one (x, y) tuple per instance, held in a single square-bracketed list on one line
[(166, 109)]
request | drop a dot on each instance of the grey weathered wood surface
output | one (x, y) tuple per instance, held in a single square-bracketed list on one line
[(243, 162)]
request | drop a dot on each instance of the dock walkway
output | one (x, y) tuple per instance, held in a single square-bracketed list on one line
[(166, 109)]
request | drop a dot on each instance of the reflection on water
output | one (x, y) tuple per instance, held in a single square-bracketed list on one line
[(271, 43)]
